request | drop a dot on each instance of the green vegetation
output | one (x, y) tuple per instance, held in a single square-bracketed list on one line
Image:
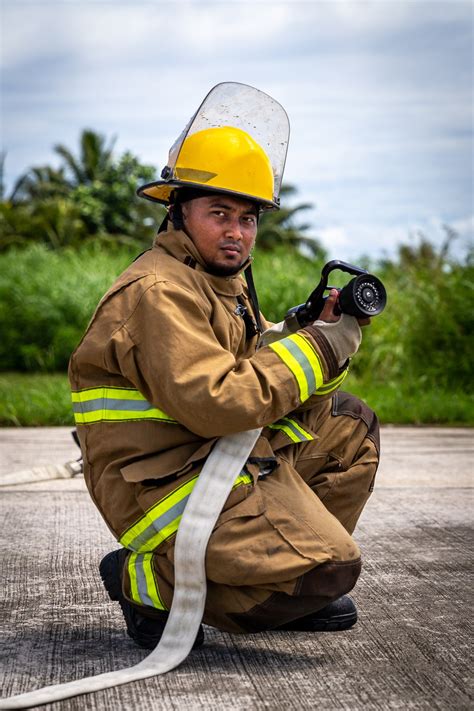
[(90, 197), (425, 337), (68, 232), (280, 228), (32, 399), (413, 365), (414, 403), (47, 298)]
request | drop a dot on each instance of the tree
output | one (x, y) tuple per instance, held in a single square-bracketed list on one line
[(95, 158), (279, 227), (90, 196)]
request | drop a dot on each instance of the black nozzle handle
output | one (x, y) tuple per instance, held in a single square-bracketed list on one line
[(308, 312), (315, 303), (343, 267)]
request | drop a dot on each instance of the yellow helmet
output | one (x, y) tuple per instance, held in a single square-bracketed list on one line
[(223, 159)]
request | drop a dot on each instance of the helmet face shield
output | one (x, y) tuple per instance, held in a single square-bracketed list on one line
[(236, 142)]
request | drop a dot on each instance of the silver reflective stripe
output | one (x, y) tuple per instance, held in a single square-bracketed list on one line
[(142, 582), (293, 430), (302, 359), (111, 404), (157, 526), (107, 403), (297, 430)]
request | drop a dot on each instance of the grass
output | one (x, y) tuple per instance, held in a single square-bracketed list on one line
[(32, 400), (415, 404)]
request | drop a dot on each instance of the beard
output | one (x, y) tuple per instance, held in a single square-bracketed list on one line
[(220, 270)]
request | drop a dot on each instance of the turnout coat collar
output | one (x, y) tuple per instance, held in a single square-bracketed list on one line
[(177, 244)]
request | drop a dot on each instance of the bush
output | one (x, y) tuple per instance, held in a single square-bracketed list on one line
[(283, 278), (425, 336), (46, 300), (47, 297), (423, 340)]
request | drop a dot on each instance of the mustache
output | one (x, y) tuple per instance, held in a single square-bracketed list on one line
[(229, 244)]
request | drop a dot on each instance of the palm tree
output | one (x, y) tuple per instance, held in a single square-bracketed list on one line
[(95, 157), (91, 195), (279, 227), (94, 160), (38, 184)]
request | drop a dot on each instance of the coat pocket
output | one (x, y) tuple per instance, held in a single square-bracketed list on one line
[(230, 555), (174, 462)]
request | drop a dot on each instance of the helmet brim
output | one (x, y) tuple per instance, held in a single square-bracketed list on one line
[(161, 190)]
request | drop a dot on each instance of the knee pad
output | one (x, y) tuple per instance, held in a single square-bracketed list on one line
[(329, 580), (346, 404)]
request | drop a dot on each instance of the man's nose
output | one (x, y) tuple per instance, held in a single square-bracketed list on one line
[(233, 229)]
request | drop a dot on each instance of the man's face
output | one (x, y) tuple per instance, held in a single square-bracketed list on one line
[(223, 228)]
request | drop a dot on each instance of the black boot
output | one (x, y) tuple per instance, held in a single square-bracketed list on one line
[(338, 615), (145, 631)]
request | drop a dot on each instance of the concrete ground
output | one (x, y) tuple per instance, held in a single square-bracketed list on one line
[(409, 650)]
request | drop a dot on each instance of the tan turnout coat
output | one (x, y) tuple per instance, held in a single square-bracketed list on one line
[(163, 370)]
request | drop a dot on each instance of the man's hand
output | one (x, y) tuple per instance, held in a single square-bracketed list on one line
[(328, 315)]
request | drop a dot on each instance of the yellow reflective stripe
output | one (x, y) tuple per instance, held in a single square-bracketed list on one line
[(151, 584), (93, 393), (111, 404), (312, 357), (300, 357), (306, 435), (287, 431), (162, 520), (133, 577), (148, 532), (292, 429), (154, 413), (162, 535), (291, 362), (143, 584), (243, 479), (332, 384), (296, 425)]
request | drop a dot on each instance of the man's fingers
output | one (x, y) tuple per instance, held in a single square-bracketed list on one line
[(327, 314)]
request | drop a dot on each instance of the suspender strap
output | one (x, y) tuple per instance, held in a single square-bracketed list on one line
[(253, 298)]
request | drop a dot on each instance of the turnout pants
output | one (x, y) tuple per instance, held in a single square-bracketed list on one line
[(282, 547)]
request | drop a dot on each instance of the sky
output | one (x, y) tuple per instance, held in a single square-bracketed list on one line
[(379, 94)]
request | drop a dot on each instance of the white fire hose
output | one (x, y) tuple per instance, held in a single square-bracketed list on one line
[(207, 499), (43, 473)]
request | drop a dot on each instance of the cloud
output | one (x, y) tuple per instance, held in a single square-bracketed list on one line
[(377, 240), (124, 32), (379, 93)]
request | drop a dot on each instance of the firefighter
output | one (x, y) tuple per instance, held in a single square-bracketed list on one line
[(170, 362)]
